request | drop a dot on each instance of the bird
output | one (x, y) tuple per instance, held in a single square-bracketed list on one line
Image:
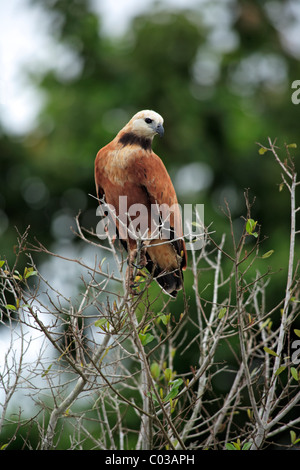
[(128, 167)]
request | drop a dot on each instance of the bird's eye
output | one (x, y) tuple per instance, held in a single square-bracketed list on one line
[(148, 120)]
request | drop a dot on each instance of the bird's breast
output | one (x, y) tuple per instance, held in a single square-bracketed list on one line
[(122, 167)]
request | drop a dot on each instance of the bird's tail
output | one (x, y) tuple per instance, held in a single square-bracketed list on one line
[(171, 282)]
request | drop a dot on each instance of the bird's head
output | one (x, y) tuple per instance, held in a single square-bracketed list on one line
[(147, 124)]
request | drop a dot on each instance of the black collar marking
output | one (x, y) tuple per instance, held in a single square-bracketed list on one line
[(129, 138)]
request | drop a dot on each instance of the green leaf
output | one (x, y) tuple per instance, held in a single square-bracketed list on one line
[(293, 437), (168, 374), (146, 328), (46, 371), (101, 322), (270, 351), (267, 322), (280, 369), (262, 150), (1, 263), (267, 254), (250, 226), (247, 446), (17, 276), (292, 146), (294, 373), (176, 383), (174, 390), (297, 332), (173, 404), (10, 307), (237, 445), (155, 370), (230, 446), (172, 394), (29, 272), (146, 338), (222, 312), (165, 318)]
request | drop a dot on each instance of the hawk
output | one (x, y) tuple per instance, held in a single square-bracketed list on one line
[(128, 168)]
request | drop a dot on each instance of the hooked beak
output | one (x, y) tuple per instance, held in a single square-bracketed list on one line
[(160, 130)]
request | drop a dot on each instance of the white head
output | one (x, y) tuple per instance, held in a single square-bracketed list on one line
[(146, 124)]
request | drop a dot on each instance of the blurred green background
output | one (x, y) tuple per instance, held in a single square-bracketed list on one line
[(219, 72)]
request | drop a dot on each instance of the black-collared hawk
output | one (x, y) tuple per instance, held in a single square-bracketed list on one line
[(127, 166)]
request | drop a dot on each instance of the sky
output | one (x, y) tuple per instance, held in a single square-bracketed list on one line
[(21, 44), (26, 43)]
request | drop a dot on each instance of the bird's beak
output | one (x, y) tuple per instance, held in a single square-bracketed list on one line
[(160, 130)]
